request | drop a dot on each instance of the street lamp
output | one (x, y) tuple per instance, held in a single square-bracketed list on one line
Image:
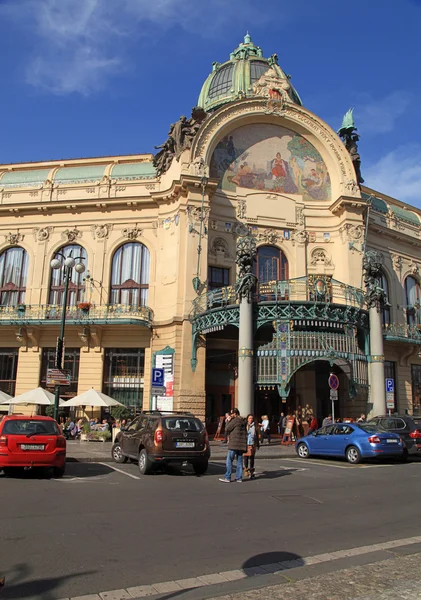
[(67, 263)]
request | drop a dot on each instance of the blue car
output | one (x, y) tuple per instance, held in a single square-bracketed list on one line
[(354, 441)]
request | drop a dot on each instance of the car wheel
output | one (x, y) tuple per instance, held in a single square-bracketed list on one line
[(353, 455), (200, 468), (117, 454), (58, 472), (303, 451), (144, 462)]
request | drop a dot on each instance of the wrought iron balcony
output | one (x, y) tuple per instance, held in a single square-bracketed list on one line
[(50, 314), (314, 289), (402, 332)]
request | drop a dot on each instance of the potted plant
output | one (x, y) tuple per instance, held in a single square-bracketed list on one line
[(86, 430), (84, 306)]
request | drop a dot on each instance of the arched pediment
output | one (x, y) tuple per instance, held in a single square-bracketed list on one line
[(290, 125)]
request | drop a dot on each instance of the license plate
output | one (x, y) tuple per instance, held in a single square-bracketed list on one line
[(184, 444), (392, 441), (32, 446)]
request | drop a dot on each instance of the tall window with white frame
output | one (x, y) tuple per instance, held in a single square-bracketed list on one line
[(76, 285), (13, 274), (130, 275), (413, 299)]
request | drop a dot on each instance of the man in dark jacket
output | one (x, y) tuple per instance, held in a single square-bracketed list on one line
[(237, 445)]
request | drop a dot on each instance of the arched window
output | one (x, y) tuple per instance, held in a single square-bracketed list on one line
[(272, 264), (383, 283), (76, 285), (130, 275), (13, 273), (413, 298)]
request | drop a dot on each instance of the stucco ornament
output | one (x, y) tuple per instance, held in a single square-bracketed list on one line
[(219, 245), (375, 294), (43, 234), (397, 261), (242, 209), (414, 267), (301, 237), (101, 232), (269, 236), (320, 256), (275, 89), (71, 235), (132, 233), (245, 259), (14, 238)]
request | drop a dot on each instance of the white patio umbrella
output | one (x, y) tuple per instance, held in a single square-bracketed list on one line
[(92, 398), (5, 398), (37, 396)]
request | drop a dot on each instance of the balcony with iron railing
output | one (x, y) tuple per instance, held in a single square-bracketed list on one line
[(402, 332), (82, 314), (312, 289)]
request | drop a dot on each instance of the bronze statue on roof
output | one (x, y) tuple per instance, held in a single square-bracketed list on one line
[(348, 134)]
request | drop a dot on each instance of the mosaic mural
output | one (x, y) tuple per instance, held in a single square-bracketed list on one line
[(273, 158)]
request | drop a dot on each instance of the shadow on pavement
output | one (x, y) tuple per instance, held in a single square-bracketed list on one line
[(73, 470), (45, 588)]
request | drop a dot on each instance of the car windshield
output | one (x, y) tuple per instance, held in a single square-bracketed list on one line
[(30, 427), (370, 427), (182, 424)]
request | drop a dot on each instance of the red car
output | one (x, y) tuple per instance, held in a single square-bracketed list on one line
[(31, 442)]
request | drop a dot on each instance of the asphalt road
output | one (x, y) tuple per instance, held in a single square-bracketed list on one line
[(98, 529)]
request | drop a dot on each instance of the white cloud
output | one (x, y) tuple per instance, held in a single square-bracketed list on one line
[(80, 43), (380, 116), (398, 174)]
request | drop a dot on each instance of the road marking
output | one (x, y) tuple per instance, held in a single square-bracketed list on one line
[(119, 470), (277, 568), (311, 461)]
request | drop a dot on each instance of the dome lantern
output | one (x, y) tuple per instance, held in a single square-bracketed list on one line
[(235, 78)]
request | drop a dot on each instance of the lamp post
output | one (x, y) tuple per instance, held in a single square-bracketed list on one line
[(67, 264)]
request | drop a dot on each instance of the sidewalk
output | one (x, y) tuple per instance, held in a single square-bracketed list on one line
[(101, 451)]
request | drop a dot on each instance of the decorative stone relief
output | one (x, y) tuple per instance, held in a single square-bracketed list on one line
[(352, 232), (132, 233), (352, 186), (397, 261), (299, 215), (42, 234), (269, 236), (220, 245), (101, 232), (14, 238), (319, 256), (414, 267), (71, 235), (372, 265), (241, 209), (301, 237), (213, 224), (199, 168)]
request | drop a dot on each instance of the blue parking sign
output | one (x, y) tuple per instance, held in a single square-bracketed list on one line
[(390, 385), (157, 377)]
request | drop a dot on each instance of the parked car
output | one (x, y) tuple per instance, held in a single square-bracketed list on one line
[(156, 438), (354, 441), (408, 428), (31, 442)]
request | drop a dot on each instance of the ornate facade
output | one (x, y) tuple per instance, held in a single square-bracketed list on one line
[(164, 240)]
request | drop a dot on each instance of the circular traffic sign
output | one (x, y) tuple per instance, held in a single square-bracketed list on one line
[(333, 381)]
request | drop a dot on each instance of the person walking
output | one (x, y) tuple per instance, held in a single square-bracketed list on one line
[(237, 445), (265, 429), (327, 421), (282, 423), (252, 446)]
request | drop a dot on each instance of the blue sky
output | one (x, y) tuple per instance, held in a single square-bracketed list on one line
[(107, 77)]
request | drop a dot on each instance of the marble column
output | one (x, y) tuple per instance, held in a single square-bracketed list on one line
[(245, 287), (245, 402), (376, 367)]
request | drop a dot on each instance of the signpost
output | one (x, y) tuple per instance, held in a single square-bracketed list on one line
[(58, 377), (333, 382), (158, 388), (390, 394)]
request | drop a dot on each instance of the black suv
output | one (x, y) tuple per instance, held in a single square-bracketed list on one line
[(404, 426), (156, 438)]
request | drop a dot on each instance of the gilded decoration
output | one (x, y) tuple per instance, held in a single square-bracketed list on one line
[(273, 158), (377, 358), (244, 353)]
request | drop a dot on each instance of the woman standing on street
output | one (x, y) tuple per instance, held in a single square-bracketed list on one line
[(252, 446)]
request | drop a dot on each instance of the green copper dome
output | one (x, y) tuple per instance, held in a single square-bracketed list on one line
[(235, 78)]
